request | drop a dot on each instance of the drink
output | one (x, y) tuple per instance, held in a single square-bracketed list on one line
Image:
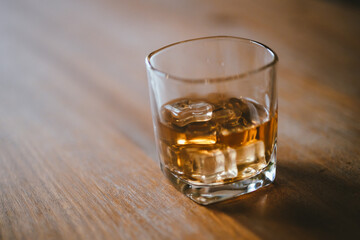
[(214, 106), (215, 140)]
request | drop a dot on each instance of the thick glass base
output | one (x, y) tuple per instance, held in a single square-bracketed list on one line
[(206, 194)]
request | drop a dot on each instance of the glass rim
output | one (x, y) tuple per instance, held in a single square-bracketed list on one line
[(215, 79)]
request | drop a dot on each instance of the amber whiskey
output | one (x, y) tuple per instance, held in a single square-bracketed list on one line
[(215, 140)]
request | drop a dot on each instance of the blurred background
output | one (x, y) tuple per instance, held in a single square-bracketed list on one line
[(97, 48), (88, 56), (73, 87)]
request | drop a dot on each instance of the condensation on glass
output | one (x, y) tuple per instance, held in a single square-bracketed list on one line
[(214, 107)]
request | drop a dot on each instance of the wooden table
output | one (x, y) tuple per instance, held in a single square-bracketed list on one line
[(77, 154)]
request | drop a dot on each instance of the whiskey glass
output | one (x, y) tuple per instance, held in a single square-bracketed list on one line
[(215, 115)]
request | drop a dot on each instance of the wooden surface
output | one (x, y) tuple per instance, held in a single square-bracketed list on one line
[(77, 156)]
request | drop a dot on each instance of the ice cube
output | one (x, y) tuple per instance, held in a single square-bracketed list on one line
[(185, 111), (223, 115), (248, 112), (251, 115), (200, 133), (250, 152), (209, 164), (238, 105), (171, 135), (170, 157), (250, 158)]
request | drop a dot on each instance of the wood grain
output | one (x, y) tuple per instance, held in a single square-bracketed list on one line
[(77, 156)]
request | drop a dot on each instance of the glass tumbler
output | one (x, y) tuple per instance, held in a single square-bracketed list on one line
[(214, 108)]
